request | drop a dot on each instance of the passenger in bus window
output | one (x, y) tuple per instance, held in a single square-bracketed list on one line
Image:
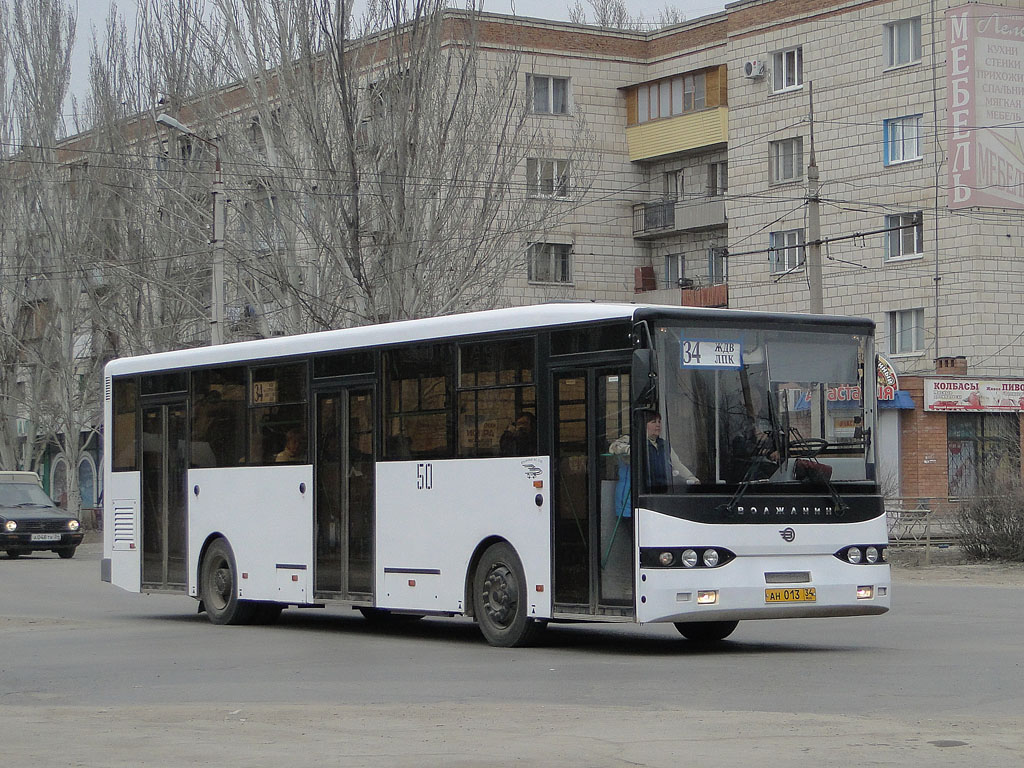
[(294, 447), (520, 439), (663, 467)]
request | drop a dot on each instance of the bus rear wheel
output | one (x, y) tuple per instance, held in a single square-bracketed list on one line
[(500, 599), (219, 585), (706, 631)]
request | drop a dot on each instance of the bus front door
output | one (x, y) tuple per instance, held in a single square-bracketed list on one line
[(164, 480), (344, 494), (593, 524)]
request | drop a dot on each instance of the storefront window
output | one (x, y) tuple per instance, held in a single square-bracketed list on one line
[(983, 448)]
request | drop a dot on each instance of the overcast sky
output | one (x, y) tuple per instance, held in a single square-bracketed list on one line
[(93, 13)]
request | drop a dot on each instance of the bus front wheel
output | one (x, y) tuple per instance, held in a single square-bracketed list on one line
[(500, 601), (706, 631), (219, 584)]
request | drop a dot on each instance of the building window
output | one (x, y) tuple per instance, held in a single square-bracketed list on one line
[(672, 96), (549, 263), (787, 160), (673, 184), (905, 236), (718, 266), (902, 139), (675, 271), (788, 69), (718, 178), (786, 251), (548, 95), (983, 449), (906, 331), (547, 178), (903, 42)]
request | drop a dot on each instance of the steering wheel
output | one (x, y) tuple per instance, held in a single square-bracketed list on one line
[(807, 447)]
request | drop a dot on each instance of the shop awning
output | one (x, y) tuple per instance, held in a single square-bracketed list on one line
[(902, 400)]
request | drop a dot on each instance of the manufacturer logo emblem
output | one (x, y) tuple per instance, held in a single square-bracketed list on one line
[(787, 534), (531, 469)]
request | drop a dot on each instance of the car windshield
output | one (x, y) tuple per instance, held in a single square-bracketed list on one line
[(740, 405), (23, 495)]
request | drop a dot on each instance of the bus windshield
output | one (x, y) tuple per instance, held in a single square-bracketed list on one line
[(740, 405)]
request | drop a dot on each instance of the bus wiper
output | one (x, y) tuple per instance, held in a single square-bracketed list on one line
[(743, 487), (812, 472)]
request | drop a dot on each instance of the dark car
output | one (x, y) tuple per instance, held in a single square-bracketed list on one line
[(30, 521)]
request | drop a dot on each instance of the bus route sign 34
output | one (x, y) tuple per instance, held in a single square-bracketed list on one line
[(711, 353)]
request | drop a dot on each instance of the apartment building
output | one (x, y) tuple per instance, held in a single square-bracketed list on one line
[(914, 114)]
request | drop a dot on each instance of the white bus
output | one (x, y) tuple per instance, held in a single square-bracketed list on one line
[(482, 465)]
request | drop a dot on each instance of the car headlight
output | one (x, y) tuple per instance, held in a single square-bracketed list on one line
[(74, 525), (10, 526)]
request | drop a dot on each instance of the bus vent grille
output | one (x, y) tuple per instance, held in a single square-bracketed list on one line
[(106, 389), (124, 524), (787, 577)]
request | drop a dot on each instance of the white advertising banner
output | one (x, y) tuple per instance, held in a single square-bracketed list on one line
[(985, 104), (977, 395)]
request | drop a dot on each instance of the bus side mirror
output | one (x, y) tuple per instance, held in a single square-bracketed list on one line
[(643, 384)]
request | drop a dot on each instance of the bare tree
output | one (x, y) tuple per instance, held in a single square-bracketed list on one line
[(152, 240), (606, 13), (56, 373), (384, 162), (615, 15)]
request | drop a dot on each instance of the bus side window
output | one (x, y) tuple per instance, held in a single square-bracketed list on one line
[(125, 455), (497, 399), (218, 417), (418, 402), (277, 415)]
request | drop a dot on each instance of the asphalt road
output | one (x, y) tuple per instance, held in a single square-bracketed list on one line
[(93, 676)]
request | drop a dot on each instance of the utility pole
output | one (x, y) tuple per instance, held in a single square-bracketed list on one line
[(813, 245), (217, 238)]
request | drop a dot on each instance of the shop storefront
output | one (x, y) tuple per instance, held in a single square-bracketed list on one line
[(964, 434)]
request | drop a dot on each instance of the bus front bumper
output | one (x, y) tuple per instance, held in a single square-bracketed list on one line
[(750, 588)]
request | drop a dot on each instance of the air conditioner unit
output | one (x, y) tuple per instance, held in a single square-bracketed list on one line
[(753, 69)]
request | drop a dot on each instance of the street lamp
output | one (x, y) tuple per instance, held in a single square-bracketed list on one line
[(217, 242)]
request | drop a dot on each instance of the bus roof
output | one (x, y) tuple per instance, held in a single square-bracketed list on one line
[(448, 326)]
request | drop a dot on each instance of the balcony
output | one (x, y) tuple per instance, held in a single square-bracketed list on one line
[(675, 135), (668, 217), (705, 296), (690, 293)]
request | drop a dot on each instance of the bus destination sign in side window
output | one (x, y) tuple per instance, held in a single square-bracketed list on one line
[(711, 353)]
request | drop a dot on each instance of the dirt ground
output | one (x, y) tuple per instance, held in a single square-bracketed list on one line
[(949, 565)]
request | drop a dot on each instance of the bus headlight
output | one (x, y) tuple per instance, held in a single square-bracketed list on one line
[(862, 554), (685, 557)]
